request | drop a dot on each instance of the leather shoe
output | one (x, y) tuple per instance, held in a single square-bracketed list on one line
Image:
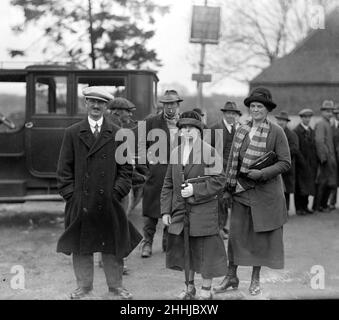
[(80, 293), (227, 282), (121, 293), (254, 288), (146, 250), (188, 294)]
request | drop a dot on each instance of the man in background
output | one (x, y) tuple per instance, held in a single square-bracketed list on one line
[(306, 164), (166, 121), (326, 180), (292, 138), (335, 127), (227, 125)]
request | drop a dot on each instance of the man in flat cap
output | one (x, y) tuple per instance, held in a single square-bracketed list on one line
[(307, 163), (166, 121), (227, 125), (93, 183), (293, 143), (121, 112), (326, 180)]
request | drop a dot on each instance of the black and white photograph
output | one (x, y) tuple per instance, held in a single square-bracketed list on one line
[(169, 151)]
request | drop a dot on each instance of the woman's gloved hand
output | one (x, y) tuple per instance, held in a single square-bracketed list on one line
[(166, 220), (187, 190)]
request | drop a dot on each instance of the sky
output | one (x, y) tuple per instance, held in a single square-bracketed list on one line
[(171, 41)]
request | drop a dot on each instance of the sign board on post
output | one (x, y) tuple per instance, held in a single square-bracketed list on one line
[(201, 77), (205, 26)]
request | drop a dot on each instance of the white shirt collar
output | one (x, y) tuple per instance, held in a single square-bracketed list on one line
[(92, 122), (228, 126), (305, 127)]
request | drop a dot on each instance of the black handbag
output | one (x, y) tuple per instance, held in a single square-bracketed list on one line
[(266, 160)]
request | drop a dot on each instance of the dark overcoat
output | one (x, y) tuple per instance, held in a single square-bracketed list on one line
[(266, 199), (306, 162), (203, 215), (156, 171), (327, 170), (289, 175), (94, 183)]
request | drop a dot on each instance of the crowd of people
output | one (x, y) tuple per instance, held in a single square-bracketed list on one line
[(244, 200)]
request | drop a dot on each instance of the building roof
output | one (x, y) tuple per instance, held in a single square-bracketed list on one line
[(314, 60)]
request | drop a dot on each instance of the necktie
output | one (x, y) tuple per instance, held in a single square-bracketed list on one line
[(96, 131)]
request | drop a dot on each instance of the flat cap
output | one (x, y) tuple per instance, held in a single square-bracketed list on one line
[(327, 105), (96, 92), (121, 103), (306, 112)]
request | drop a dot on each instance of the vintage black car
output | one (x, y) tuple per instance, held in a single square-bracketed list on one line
[(36, 105)]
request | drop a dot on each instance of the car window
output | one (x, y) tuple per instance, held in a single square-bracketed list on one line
[(12, 105), (51, 95)]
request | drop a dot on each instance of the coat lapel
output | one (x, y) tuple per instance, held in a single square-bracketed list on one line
[(85, 133), (104, 137)]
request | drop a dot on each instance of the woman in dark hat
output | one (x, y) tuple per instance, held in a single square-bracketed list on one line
[(259, 207), (194, 158)]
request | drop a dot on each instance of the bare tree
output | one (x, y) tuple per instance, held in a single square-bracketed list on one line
[(256, 32)]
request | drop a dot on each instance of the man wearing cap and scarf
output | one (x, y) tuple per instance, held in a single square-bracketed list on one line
[(307, 163), (228, 126), (326, 180), (93, 183), (166, 121), (293, 143)]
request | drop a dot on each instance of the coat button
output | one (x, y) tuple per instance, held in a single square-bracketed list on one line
[(101, 191), (104, 156), (87, 175), (102, 174), (103, 243), (85, 210)]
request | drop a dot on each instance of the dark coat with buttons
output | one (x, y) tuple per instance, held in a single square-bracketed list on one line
[(93, 184)]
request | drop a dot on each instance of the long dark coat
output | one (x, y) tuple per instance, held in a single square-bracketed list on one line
[(327, 170), (204, 214), (94, 184), (267, 201), (307, 161), (289, 176), (156, 172)]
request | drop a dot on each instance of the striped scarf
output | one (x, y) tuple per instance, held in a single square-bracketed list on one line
[(256, 148)]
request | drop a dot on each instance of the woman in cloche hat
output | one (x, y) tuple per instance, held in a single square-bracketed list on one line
[(259, 207), (193, 158)]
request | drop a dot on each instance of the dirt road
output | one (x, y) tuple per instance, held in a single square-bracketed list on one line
[(310, 242)]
